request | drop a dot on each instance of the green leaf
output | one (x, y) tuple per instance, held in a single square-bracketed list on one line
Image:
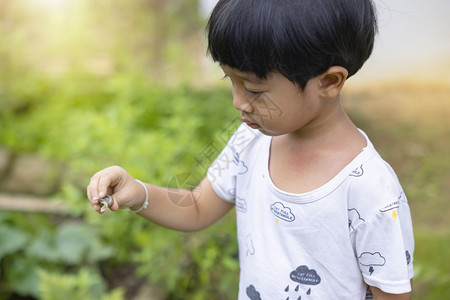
[(85, 284), (11, 239), (43, 247), (99, 251), (116, 294), (73, 241), (23, 276)]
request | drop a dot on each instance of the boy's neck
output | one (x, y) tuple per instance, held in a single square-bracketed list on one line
[(304, 160), (331, 126)]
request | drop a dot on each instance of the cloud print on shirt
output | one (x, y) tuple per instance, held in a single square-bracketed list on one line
[(282, 212), (371, 259), (354, 218), (358, 172), (242, 167), (408, 257), (390, 206), (241, 204), (304, 275), (252, 293)]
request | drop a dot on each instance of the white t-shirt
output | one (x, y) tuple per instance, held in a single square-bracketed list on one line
[(329, 243)]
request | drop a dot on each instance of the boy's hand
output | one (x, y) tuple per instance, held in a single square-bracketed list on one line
[(116, 182), (203, 209)]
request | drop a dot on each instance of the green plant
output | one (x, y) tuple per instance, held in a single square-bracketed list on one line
[(122, 120), (32, 245), (82, 285)]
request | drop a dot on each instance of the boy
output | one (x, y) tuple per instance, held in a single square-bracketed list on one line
[(320, 215)]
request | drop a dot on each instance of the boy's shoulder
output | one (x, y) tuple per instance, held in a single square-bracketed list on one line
[(372, 172), (373, 184)]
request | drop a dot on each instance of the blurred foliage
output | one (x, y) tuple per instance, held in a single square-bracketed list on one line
[(32, 244), (96, 83), (82, 285), (159, 38), (155, 133)]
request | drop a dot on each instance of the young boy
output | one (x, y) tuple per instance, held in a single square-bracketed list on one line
[(320, 215)]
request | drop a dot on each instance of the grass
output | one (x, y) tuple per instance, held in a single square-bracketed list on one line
[(409, 124)]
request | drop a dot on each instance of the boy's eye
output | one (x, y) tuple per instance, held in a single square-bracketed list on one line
[(247, 90), (254, 93), (251, 92)]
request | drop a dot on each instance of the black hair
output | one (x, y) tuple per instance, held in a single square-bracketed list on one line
[(300, 39)]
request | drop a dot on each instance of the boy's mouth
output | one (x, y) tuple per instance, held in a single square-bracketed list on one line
[(251, 124)]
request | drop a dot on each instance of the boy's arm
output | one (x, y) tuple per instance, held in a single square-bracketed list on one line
[(183, 210), (380, 295)]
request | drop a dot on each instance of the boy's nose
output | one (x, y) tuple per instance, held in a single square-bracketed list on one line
[(240, 101)]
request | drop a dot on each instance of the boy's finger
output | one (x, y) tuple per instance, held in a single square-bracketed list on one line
[(115, 204), (97, 208), (104, 182), (91, 197), (92, 188)]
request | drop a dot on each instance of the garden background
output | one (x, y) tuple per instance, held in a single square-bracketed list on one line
[(88, 84)]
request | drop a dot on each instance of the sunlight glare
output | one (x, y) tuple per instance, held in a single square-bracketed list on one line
[(52, 4)]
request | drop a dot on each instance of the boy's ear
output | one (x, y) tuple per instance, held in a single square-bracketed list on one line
[(332, 81)]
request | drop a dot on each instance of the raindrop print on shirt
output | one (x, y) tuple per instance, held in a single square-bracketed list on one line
[(302, 276), (249, 245)]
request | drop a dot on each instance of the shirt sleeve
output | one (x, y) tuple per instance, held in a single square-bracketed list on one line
[(221, 175), (384, 246), (223, 172)]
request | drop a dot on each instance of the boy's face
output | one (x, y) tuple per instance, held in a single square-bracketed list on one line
[(275, 106)]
